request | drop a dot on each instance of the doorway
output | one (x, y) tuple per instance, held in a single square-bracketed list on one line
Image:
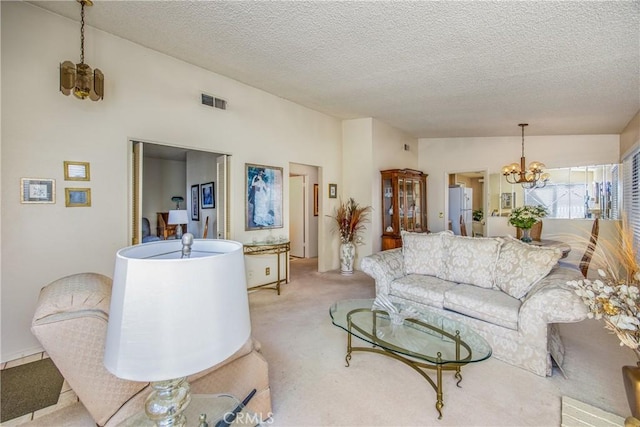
[(466, 203), (166, 177), (304, 200)]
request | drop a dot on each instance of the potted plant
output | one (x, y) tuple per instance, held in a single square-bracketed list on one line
[(524, 217), (349, 219)]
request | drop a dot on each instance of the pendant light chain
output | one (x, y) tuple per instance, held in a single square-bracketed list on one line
[(82, 33)]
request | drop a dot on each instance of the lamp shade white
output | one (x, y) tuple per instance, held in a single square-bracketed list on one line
[(177, 216), (171, 317)]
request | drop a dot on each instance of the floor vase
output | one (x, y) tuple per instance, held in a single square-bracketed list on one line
[(631, 378), (347, 256)]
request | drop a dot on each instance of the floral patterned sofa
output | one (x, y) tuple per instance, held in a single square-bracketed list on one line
[(510, 292)]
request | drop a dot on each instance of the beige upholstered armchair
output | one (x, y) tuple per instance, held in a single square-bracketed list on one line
[(71, 323)]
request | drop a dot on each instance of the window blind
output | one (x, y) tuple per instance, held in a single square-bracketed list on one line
[(631, 194)]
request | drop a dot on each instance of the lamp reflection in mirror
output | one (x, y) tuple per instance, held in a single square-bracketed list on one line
[(173, 315), (532, 177), (177, 218)]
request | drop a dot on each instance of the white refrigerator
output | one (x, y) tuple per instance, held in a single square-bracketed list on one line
[(460, 204)]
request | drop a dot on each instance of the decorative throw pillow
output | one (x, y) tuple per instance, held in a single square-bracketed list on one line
[(470, 260), (521, 265), (422, 252)]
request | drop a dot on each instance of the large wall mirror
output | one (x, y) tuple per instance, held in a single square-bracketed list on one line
[(584, 192)]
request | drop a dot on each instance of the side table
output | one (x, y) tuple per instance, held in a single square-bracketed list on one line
[(278, 248), (215, 406)]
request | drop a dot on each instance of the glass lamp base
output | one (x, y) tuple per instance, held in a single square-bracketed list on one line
[(178, 231), (166, 404)]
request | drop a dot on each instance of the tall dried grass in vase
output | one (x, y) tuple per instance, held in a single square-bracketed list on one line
[(614, 297), (350, 218)]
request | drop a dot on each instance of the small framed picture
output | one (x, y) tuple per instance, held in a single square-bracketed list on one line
[(195, 205), (333, 191), (77, 197), (208, 196), (34, 190), (507, 200), (315, 199), (76, 171)]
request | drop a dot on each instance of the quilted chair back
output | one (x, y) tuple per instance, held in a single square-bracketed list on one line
[(70, 322)]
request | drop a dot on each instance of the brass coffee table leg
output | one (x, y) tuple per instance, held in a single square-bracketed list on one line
[(439, 400)]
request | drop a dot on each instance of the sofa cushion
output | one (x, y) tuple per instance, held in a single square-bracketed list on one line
[(423, 252), (521, 265), (470, 260), (490, 305), (420, 288)]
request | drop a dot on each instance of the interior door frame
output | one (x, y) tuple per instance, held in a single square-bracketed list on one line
[(136, 187)]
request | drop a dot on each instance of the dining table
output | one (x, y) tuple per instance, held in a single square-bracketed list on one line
[(549, 243)]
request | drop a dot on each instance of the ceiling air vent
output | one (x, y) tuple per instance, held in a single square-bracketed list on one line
[(214, 102)]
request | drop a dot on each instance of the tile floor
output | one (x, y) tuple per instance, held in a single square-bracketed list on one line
[(67, 396)]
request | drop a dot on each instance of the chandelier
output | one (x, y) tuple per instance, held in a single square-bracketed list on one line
[(533, 177), (79, 78)]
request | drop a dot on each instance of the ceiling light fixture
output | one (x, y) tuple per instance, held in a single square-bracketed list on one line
[(79, 78), (533, 177)]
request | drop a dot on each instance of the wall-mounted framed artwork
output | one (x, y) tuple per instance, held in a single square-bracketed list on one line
[(507, 200), (208, 195), (315, 199), (264, 192), (76, 171), (333, 191), (37, 190), (77, 197), (195, 204)]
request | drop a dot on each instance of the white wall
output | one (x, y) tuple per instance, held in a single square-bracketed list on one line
[(41, 128), (162, 179), (370, 146), (441, 156), (388, 153)]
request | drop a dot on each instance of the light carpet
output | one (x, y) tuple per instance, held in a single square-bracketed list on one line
[(311, 386)]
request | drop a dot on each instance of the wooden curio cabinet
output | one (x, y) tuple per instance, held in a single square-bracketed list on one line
[(404, 205)]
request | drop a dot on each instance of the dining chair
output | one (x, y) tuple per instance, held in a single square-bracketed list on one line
[(591, 247), (206, 228), (463, 227)]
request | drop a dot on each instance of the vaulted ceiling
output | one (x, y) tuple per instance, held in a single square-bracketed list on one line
[(430, 68)]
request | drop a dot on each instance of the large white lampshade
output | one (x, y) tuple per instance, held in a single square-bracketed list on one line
[(170, 316), (177, 307)]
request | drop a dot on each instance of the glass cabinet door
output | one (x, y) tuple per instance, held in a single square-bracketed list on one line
[(387, 205)]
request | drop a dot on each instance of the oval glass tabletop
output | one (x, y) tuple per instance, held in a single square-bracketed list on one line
[(421, 334)]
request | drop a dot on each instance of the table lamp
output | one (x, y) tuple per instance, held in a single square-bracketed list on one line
[(177, 308), (177, 218)]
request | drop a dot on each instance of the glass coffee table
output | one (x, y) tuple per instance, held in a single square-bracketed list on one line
[(422, 339)]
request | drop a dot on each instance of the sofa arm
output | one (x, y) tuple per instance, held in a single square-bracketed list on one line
[(552, 300), (384, 267)]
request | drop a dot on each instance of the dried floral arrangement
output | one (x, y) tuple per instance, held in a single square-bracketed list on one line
[(350, 218)]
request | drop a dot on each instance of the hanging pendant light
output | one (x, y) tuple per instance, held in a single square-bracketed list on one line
[(531, 177), (79, 78)]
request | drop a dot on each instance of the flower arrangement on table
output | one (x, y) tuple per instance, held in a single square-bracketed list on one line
[(615, 299), (350, 218), (525, 216)]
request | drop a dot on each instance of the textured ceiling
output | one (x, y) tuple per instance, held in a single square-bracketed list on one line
[(430, 68)]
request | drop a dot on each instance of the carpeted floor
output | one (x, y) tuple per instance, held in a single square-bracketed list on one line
[(27, 388), (311, 386)]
